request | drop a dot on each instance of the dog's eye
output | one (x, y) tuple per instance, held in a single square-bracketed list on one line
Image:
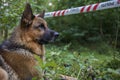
[(41, 26)]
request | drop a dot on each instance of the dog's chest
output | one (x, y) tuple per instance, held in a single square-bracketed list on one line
[(19, 64)]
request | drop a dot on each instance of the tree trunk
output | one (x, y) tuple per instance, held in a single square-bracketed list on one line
[(5, 33)]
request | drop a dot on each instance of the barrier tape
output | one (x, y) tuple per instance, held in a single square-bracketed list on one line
[(83, 9)]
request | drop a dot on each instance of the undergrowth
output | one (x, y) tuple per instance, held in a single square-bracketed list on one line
[(80, 62)]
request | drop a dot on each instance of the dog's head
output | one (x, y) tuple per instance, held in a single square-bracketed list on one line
[(36, 27)]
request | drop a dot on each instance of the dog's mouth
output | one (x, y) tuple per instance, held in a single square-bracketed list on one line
[(43, 41), (48, 37)]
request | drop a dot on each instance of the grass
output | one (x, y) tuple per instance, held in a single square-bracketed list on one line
[(76, 61)]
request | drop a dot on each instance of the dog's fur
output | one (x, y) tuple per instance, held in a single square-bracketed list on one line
[(17, 60)]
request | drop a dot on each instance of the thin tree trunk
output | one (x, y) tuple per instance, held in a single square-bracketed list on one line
[(101, 30), (5, 33), (116, 38)]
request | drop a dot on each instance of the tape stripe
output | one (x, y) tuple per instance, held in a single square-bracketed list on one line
[(118, 1), (63, 12), (54, 13), (95, 7), (82, 9), (88, 9), (58, 14)]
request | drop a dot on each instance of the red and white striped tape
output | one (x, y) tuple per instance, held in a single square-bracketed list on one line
[(88, 8)]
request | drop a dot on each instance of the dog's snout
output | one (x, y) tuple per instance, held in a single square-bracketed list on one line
[(56, 34), (49, 36)]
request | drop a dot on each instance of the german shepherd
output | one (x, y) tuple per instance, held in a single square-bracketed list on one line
[(17, 61)]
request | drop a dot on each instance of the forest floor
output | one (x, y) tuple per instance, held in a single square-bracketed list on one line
[(83, 63)]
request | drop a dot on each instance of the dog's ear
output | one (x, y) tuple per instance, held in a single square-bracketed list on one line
[(42, 14), (27, 16)]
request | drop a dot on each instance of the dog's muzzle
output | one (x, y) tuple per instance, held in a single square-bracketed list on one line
[(48, 36)]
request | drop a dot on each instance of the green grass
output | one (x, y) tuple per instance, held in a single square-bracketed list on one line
[(77, 61)]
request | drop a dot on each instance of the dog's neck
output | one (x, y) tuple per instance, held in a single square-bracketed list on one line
[(26, 42)]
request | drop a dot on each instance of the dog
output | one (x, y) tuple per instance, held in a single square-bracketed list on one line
[(17, 61)]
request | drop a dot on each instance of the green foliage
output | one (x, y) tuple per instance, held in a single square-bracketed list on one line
[(114, 64), (81, 63)]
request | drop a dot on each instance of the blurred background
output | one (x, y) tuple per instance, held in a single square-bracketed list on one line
[(88, 47)]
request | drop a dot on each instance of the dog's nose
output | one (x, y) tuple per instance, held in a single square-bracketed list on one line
[(56, 34)]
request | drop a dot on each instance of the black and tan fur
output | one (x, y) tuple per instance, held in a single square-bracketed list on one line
[(17, 60)]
